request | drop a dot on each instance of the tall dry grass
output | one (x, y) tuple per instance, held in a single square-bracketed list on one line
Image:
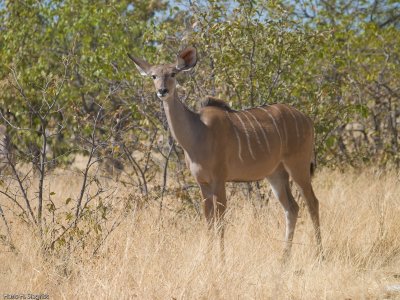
[(148, 257)]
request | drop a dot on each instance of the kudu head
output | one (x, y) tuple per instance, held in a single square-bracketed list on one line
[(164, 75)]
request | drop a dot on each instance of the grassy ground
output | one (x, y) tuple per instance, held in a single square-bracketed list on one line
[(151, 258)]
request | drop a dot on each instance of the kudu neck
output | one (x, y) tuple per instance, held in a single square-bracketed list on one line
[(185, 125)]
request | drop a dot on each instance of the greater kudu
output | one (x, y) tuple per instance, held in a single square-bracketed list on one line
[(221, 145)]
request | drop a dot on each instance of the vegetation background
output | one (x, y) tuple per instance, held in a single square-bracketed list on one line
[(90, 177)]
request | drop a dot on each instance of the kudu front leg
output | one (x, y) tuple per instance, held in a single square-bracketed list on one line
[(214, 209)]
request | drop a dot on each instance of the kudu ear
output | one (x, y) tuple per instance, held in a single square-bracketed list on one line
[(142, 65), (186, 59)]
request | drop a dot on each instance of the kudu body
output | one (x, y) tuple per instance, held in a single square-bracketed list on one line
[(223, 145)]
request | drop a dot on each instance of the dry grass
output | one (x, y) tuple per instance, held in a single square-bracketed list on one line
[(151, 259)]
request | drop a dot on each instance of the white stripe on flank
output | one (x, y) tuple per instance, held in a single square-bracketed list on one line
[(284, 127), (273, 121), (303, 126), (295, 122), (252, 126), (261, 129), (237, 137), (247, 135)]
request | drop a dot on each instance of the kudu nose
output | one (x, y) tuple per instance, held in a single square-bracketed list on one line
[(162, 92)]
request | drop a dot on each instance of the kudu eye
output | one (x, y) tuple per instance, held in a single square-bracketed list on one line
[(154, 76), (173, 75)]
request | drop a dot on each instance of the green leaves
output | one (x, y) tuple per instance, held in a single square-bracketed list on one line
[(70, 51), (333, 60)]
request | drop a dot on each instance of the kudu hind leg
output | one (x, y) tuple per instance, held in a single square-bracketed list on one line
[(280, 186), (302, 177)]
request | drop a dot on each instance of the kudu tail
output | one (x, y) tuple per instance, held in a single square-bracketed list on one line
[(313, 164)]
